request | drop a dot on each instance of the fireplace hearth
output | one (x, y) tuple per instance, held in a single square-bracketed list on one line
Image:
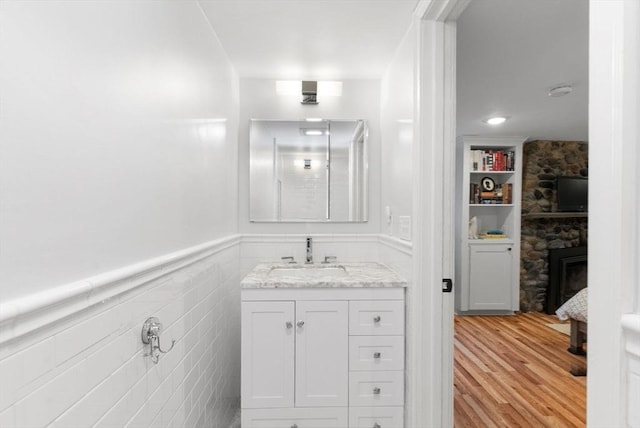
[(567, 275)]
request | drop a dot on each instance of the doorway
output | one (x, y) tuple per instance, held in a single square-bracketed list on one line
[(499, 76)]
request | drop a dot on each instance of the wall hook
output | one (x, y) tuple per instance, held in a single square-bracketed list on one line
[(151, 330)]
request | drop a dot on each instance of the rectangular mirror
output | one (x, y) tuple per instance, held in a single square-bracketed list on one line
[(308, 171)]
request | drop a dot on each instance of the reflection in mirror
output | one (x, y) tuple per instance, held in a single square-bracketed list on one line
[(308, 171)]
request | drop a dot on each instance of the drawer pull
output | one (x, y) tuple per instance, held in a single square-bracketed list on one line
[(376, 355), (377, 318), (376, 390), (377, 425)]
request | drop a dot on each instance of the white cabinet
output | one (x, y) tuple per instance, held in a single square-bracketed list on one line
[(491, 271), (488, 234), (322, 358)]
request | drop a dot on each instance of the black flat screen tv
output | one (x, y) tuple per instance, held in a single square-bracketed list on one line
[(572, 193)]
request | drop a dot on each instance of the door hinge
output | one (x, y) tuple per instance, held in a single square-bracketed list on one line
[(447, 285)]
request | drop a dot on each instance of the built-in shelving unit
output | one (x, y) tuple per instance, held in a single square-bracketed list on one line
[(488, 245), (580, 214)]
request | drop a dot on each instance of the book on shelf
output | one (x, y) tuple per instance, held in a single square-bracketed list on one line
[(492, 160), (492, 236), (490, 195), (502, 195), (474, 193), (507, 193)]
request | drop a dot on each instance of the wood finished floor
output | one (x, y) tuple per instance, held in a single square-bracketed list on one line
[(513, 371)]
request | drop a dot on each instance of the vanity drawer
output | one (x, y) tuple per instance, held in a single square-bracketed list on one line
[(304, 417), (368, 317), (374, 353), (376, 388), (379, 417)]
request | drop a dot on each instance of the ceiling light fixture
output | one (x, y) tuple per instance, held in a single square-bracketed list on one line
[(314, 119), (309, 92), (312, 132), (560, 90), (498, 120), (309, 88)]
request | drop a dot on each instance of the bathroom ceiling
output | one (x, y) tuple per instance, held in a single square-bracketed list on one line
[(510, 52), (310, 39)]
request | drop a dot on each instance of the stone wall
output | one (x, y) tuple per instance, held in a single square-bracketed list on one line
[(543, 161)]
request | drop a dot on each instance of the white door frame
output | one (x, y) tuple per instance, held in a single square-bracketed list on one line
[(613, 378), (431, 404)]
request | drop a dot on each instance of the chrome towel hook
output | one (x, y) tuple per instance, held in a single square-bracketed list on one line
[(151, 330)]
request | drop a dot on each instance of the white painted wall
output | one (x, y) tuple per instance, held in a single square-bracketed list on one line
[(118, 201), (397, 112), (360, 100), (398, 100), (117, 137)]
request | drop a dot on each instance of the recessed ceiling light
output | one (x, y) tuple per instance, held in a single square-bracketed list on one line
[(313, 132), (314, 119), (498, 120), (560, 90)]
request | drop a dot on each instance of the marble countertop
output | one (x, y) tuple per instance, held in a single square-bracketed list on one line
[(320, 275)]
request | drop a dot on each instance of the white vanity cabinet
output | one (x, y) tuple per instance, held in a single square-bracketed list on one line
[(294, 352), (330, 357)]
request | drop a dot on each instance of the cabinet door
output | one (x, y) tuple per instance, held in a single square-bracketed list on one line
[(490, 277), (267, 341), (322, 371)]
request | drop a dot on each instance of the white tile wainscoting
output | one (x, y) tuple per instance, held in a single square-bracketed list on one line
[(73, 356)]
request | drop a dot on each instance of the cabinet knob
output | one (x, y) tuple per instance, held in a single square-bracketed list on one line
[(377, 318), (300, 323), (376, 355), (509, 248), (376, 390), (294, 426), (377, 425), (289, 324)]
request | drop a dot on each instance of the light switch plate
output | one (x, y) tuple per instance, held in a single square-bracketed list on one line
[(404, 227)]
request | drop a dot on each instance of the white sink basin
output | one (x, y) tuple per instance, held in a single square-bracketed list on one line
[(308, 272)]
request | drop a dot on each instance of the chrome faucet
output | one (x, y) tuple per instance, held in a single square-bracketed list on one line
[(309, 251)]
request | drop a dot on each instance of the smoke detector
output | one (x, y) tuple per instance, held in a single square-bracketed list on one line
[(560, 90)]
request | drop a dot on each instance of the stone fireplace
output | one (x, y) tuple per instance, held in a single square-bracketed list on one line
[(543, 230), (567, 275)]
